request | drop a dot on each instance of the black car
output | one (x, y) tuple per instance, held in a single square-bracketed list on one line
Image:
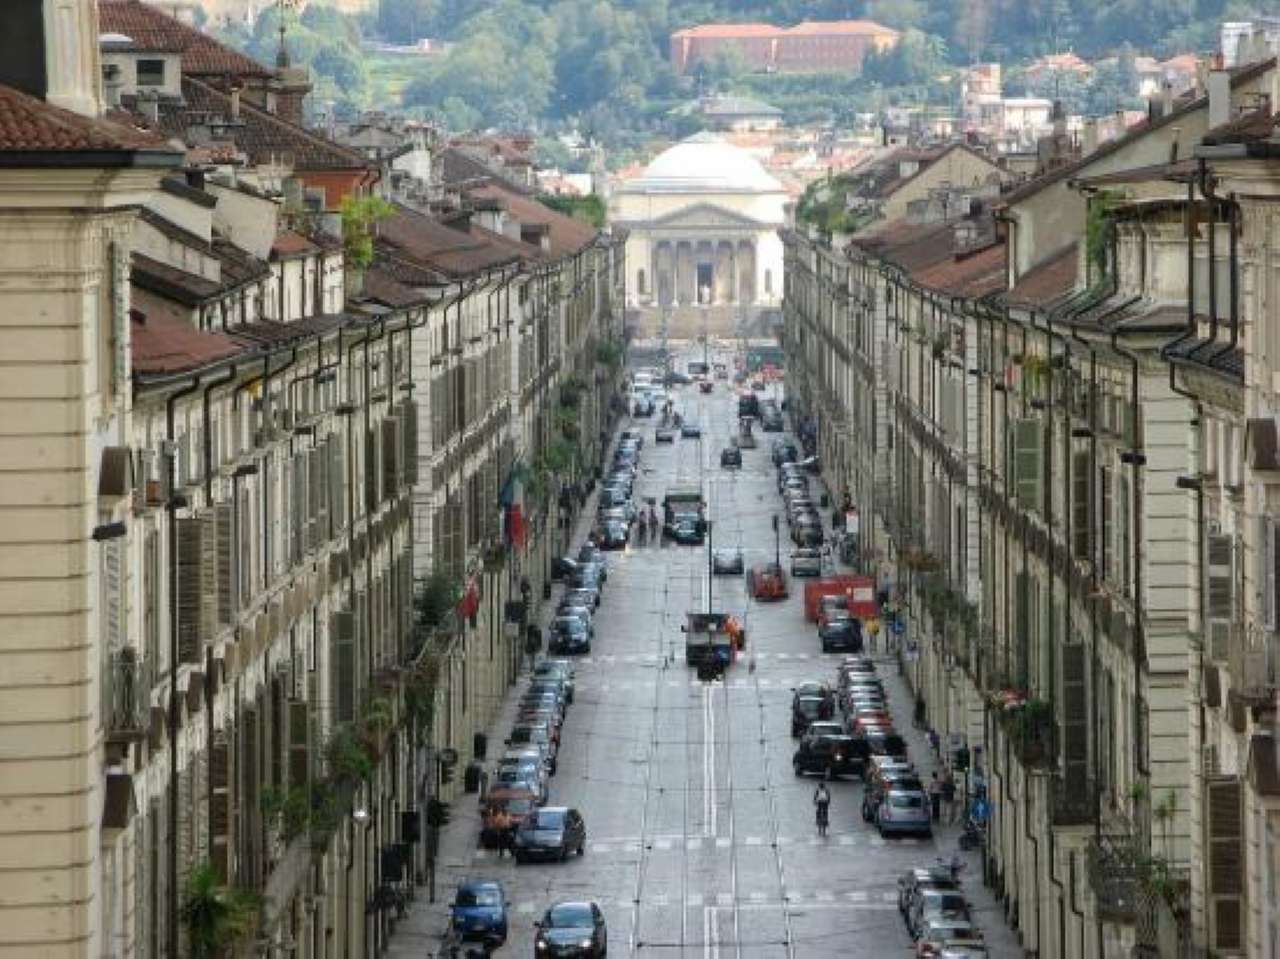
[(727, 562), (572, 929), (614, 535), (690, 430), (748, 404), (587, 576), (686, 530), (676, 378), (807, 531), (841, 635), (806, 710), (829, 753), (569, 635), (664, 435), (730, 456), (784, 452), (771, 421), (553, 832)]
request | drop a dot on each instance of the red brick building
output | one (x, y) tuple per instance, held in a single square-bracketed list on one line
[(809, 47)]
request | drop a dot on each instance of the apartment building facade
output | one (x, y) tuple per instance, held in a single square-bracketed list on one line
[(1062, 474), (232, 465)]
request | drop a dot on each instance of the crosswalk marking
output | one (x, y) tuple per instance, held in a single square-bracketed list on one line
[(694, 900), (662, 844), (724, 899), (678, 842), (694, 844), (754, 841)]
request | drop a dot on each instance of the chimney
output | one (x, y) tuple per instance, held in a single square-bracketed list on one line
[(1090, 141), (1219, 98), (1121, 126), (235, 101), (195, 179), (149, 106), (1274, 96), (1059, 117), (112, 84), (1166, 98)]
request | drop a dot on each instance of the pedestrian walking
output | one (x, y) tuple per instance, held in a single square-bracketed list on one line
[(935, 797), (949, 796), (934, 742)]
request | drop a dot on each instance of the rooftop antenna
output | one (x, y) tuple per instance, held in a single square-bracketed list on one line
[(282, 9)]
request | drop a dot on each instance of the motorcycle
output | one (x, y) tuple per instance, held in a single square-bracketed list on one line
[(973, 835)]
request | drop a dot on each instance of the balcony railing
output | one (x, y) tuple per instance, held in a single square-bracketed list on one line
[(1114, 867), (1072, 803), (128, 695)]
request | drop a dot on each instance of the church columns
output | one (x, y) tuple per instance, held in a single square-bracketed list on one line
[(664, 272), (747, 272), (686, 273), (723, 272)]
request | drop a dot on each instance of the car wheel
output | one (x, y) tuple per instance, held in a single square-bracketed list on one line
[(564, 854), (798, 771), (582, 849)]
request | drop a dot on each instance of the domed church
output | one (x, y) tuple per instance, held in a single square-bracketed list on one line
[(702, 221)]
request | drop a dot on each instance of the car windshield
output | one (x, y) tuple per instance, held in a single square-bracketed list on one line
[(549, 819), (529, 734), (906, 801), (479, 896), (570, 915), (810, 707), (570, 625), (938, 901)]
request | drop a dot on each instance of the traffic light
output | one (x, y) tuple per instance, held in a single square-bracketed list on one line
[(437, 813), (446, 773)]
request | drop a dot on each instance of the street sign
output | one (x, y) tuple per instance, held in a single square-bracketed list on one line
[(897, 627)]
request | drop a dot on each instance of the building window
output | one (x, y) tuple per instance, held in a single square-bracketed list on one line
[(768, 281), (640, 284), (150, 73)]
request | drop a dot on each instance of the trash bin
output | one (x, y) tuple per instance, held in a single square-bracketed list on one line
[(471, 778), (480, 746)]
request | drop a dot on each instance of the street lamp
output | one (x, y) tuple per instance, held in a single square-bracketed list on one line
[(777, 543)]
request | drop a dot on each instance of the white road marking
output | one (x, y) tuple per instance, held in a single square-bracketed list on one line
[(663, 844), (695, 843), (724, 899), (754, 841), (526, 908), (694, 901)]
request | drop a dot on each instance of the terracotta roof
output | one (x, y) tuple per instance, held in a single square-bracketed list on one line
[(1048, 281), (32, 126), (171, 283), (290, 244), (263, 137), (1253, 125), (458, 167), (416, 237), (150, 28), (859, 28), (159, 344), (971, 275), (269, 333), (567, 234), (729, 30), (1182, 108), (381, 287), (911, 246)]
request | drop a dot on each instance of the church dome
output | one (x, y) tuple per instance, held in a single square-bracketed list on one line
[(704, 163)]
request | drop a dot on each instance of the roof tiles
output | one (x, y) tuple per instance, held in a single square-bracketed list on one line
[(30, 125), (152, 29), (1046, 282), (160, 345)]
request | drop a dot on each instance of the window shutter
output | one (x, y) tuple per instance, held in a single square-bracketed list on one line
[(315, 496), (1028, 464), (1123, 546), (197, 586), (392, 446), (372, 478), (1219, 585), (1226, 864), (1104, 521), (151, 597), (277, 735), (1267, 575), (297, 509), (409, 416), (299, 742), (227, 555), (1021, 623), (1080, 505), (343, 667), (337, 483), (220, 805), (113, 593), (1075, 720), (245, 542)]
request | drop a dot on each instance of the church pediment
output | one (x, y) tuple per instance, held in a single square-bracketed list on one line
[(706, 216)]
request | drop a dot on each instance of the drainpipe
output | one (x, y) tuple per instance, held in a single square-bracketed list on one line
[(1207, 188), (172, 504), (1233, 305)]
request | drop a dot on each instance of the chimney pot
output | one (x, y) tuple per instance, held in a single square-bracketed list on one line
[(1219, 98)]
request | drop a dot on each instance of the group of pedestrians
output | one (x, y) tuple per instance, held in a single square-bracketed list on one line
[(942, 789)]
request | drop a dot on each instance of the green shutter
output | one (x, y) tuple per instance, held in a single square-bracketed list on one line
[(1028, 463), (343, 666)]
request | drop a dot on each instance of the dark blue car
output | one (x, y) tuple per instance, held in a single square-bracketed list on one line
[(480, 912)]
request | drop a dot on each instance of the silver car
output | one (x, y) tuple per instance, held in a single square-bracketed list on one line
[(904, 812), (806, 562), (932, 904)]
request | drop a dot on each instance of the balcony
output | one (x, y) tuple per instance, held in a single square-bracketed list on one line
[(1071, 802), (1114, 864), (127, 696), (1255, 671)]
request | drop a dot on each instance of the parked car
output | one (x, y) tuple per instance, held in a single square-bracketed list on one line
[(631, 435), (560, 669), (686, 530), (783, 451), (886, 743), (806, 562), (904, 811), (569, 635), (727, 562), (664, 435), (933, 904), (942, 936), (731, 458), (553, 832), (815, 688), (572, 929), (479, 912), (614, 535), (807, 531), (916, 880), (806, 710), (767, 582), (587, 598), (538, 735), (690, 430)]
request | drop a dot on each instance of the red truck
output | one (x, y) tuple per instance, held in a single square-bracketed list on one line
[(860, 591)]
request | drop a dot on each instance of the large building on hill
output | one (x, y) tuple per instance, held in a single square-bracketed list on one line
[(808, 47)]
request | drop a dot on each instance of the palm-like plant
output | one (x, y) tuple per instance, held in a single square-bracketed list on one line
[(216, 916)]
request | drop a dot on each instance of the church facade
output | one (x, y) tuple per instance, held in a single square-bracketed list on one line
[(702, 227)]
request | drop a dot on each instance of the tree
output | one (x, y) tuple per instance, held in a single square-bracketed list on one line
[(406, 21), (216, 917)]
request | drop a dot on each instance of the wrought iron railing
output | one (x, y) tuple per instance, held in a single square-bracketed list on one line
[(128, 693), (1255, 669), (1072, 803)]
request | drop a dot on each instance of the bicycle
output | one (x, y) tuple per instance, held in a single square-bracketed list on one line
[(823, 819)]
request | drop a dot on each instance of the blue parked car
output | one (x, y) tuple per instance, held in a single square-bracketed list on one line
[(480, 912)]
